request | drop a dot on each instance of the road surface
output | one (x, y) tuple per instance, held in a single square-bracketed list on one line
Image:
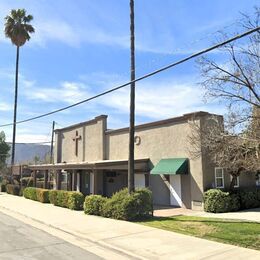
[(23, 242)]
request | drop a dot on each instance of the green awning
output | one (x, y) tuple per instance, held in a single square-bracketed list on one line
[(171, 166)]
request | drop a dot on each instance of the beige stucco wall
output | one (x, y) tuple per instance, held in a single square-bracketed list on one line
[(157, 142), (167, 139), (90, 147)]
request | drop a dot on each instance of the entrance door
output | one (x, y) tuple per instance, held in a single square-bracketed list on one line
[(85, 183), (175, 190), (114, 182)]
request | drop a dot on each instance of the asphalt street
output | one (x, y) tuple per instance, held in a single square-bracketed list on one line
[(19, 241)]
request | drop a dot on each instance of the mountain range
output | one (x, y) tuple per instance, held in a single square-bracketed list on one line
[(25, 153)]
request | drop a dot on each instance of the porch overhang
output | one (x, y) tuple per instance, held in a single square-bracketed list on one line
[(140, 165)]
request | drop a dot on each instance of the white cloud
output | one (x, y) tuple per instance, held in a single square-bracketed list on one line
[(155, 99), (67, 92), (5, 107)]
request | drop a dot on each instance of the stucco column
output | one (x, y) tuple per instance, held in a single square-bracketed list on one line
[(34, 179), (78, 174), (147, 180), (56, 180), (46, 172), (74, 180), (69, 181), (95, 180)]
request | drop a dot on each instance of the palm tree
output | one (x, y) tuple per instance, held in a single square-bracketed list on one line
[(131, 181), (18, 29)]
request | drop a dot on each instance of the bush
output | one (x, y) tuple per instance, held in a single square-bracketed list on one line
[(75, 200), (67, 199), (217, 201), (94, 204), (41, 195), (30, 193), (137, 205), (13, 189), (249, 198), (53, 197)]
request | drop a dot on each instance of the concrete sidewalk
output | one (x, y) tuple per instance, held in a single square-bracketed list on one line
[(114, 239), (248, 215)]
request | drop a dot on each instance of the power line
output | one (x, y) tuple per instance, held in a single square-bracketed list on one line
[(239, 36)]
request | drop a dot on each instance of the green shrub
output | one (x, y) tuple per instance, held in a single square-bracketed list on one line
[(217, 201), (37, 194), (30, 193), (62, 199), (122, 205), (43, 195), (53, 197), (67, 199), (144, 202), (93, 204), (13, 189), (249, 198), (75, 200)]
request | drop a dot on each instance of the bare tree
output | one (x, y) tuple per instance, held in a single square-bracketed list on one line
[(236, 153), (236, 82)]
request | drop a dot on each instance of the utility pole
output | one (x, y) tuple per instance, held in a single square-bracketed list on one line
[(52, 139), (131, 181)]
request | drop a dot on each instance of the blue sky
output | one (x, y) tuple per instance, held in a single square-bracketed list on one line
[(81, 48)]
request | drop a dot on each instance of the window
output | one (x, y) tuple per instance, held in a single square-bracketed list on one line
[(219, 177), (236, 184)]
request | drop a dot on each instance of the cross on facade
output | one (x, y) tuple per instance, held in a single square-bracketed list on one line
[(76, 140)]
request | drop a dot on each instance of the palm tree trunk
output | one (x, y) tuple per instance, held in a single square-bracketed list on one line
[(15, 105), (131, 185)]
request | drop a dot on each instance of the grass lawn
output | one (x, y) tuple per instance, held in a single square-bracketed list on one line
[(240, 233)]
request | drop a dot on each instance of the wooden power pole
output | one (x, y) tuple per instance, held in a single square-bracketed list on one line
[(131, 181), (52, 139)]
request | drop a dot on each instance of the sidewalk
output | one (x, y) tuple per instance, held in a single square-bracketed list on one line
[(120, 239), (249, 215)]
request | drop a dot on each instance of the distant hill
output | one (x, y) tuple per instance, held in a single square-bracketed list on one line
[(26, 152)]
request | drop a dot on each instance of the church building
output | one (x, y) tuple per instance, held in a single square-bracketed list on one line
[(93, 159)]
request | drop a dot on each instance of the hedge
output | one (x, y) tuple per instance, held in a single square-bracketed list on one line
[(218, 201), (93, 204), (121, 205), (37, 194), (68, 199), (249, 198), (13, 189)]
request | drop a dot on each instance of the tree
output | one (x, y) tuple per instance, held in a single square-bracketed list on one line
[(18, 29), (236, 153), (236, 81), (131, 181), (4, 149), (36, 159)]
